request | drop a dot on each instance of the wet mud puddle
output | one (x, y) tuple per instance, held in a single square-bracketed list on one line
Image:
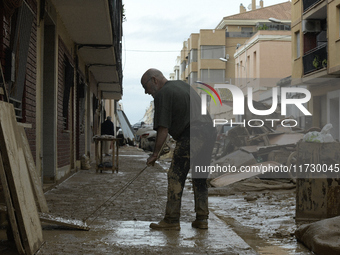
[(266, 222)]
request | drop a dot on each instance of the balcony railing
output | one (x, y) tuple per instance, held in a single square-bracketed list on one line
[(315, 59), (309, 3), (239, 34)]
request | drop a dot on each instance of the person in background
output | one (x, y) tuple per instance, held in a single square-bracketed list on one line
[(178, 112), (107, 128)]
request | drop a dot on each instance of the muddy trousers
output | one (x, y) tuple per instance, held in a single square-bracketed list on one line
[(178, 172)]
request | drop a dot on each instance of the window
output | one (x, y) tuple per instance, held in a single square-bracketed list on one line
[(246, 29), (297, 44), (192, 78), (254, 65), (213, 75), (248, 67), (237, 70), (183, 66), (193, 55), (212, 51), (241, 69)]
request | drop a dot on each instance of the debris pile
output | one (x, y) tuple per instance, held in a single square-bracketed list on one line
[(25, 204), (257, 149), (85, 162), (320, 137), (248, 146)]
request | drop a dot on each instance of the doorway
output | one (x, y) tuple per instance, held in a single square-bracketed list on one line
[(333, 112), (49, 152)]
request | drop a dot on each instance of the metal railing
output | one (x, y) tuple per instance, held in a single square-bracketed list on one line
[(308, 3), (315, 59), (239, 34)]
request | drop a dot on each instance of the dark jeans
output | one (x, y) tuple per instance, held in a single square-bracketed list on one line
[(192, 148)]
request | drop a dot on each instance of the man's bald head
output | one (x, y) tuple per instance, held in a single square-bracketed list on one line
[(153, 80), (152, 72)]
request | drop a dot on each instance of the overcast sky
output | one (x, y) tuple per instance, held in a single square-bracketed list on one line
[(153, 35)]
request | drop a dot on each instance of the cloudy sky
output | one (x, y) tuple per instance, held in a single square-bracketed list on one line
[(154, 32)]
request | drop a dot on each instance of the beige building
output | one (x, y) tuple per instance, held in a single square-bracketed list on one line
[(316, 58), (148, 116), (240, 27), (200, 57), (208, 56), (260, 65), (175, 75)]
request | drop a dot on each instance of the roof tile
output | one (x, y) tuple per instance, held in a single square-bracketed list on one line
[(279, 11)]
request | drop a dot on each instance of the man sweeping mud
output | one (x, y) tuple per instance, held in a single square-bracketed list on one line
[(178, 113)]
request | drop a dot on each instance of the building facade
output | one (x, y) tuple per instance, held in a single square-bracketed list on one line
[(258, 63), (61, 61), (208, 56), (316, 58)]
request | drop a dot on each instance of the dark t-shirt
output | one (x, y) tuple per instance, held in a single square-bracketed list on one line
[(107, 128), (177, 106)]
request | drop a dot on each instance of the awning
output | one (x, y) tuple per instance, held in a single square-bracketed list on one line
[(125, 125)]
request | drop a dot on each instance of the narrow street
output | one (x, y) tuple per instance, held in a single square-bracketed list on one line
[(122, 226), (264, 75), (248, 217)]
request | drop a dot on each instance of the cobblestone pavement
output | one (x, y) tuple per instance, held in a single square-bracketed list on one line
[(122, 226)]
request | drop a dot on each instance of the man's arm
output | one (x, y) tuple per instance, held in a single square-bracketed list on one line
[(162, 134)]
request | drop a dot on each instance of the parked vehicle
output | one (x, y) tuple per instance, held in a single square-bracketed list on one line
[(146, 137), (138, 125)]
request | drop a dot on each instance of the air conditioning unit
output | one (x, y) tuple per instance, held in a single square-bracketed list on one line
[(309, 26)]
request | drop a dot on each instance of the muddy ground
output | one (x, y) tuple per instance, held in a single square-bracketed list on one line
[(243, 219), (261, 214)]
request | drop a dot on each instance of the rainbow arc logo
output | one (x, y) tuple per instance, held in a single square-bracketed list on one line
[(209, 93)]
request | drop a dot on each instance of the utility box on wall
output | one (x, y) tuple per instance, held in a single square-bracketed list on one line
[(318, 183)]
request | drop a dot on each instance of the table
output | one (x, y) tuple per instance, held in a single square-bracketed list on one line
[(99, 153)]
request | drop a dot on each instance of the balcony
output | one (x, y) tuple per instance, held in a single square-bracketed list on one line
[(309, 3), (239, 34), (102, 53), (315, 59)]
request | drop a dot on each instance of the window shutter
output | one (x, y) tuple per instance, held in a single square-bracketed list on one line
[(20, 49), (20, 53), (68, 83)]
